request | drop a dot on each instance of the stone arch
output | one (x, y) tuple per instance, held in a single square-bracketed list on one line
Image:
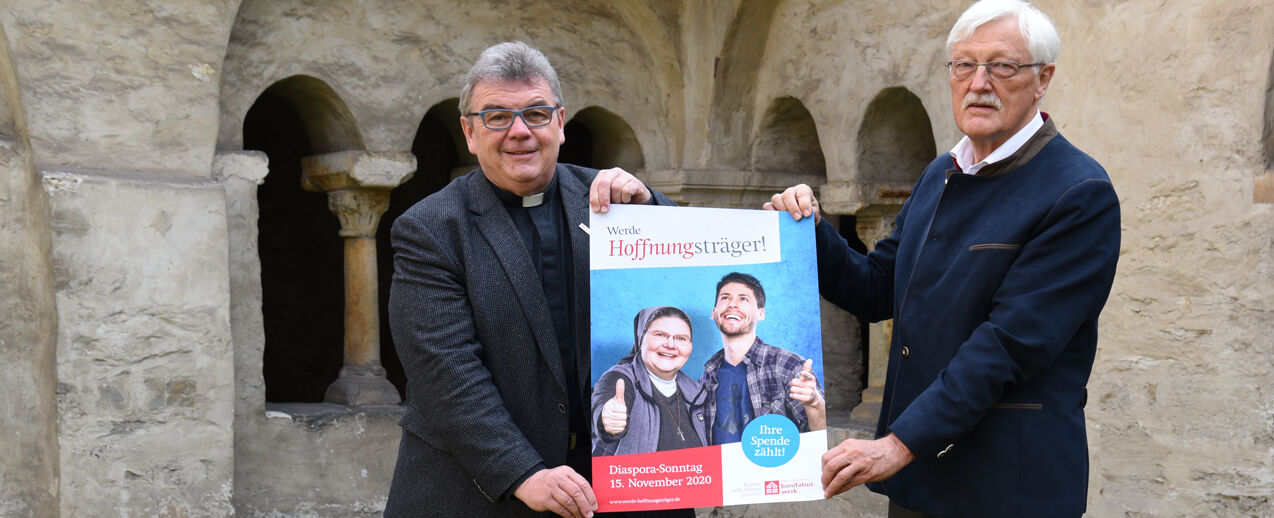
[(597, 137), (1267, 135), (327, 119), (1263, 188), (735, 73), (28, 328), (895, 140), (787, 140), (299, 246)]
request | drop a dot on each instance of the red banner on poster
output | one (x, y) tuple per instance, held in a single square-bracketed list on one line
[(689, 477)]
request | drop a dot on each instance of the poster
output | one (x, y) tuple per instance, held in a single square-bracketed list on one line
[(678, 418)]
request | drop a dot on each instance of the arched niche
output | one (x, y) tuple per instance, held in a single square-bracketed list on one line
[(734, 75), (895, 140), (597, 137), (441, 154), (326, 118), (299, 243), (788, 140)]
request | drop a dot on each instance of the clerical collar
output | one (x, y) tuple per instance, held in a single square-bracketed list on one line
[(534, 200), (665, 387)]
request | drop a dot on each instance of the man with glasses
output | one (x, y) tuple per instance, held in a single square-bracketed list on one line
[(489, 309), (749, 378), (995, 274)]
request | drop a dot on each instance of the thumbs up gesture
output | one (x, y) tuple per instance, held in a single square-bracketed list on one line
[(615, 411), (805, 386)]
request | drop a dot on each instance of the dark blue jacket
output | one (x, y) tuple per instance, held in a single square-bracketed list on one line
[(995, 283)]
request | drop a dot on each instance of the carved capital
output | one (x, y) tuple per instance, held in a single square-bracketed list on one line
[(358, 209)]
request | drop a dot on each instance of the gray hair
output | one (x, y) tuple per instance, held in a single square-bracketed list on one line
[(511, 61), (1036, 28)]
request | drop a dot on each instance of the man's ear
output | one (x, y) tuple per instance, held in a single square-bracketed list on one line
[(1045, 77), (760, 314), (561, 125), (467, 128)]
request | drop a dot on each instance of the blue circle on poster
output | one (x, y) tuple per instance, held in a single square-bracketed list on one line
[(771, 440)]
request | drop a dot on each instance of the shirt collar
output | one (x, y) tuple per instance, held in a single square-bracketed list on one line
[(963, 151), (512, 200)]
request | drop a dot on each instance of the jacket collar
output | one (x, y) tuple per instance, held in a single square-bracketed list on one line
[(1025, 154)]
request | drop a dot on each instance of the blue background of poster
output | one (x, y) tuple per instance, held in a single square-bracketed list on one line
[(791, 302)]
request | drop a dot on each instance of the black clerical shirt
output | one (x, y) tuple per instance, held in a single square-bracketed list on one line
[(543, 229)]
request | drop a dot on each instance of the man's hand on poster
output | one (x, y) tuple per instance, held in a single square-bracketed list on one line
[(559, 490), (797, 200), (616, 185), (804, 388), (615, 411), (855, 462)]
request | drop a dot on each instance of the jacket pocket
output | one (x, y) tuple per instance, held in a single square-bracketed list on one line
[(994, 246), (1018, 406)]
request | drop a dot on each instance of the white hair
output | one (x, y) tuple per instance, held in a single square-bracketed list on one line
[(1036, 28)]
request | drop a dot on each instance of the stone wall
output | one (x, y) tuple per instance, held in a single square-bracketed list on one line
[(121, 86), (145, 378), (147, 232), (1180, 419)]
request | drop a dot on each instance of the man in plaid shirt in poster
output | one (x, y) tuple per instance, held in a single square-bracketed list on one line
[(748, 378)]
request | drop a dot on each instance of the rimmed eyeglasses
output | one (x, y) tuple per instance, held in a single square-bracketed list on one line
[(500, 119), (962, 70), (661, 338)]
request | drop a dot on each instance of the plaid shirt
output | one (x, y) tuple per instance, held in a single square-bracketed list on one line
[(770, 372)]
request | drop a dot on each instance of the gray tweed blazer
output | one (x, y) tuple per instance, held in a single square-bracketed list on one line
[(486, 392)]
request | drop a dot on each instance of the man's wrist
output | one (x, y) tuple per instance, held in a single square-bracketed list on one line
[(902, 448), (513, 488)]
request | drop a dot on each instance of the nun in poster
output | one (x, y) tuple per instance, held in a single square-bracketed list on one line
[(645, 403)]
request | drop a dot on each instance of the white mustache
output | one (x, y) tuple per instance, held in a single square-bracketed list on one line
[(989, 99)]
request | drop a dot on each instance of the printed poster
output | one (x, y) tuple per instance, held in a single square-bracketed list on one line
[(706, 354)]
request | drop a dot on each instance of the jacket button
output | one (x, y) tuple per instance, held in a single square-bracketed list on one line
[(944, 452), (561, 407), (906, 352)]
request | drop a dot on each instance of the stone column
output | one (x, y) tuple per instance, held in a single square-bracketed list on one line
[(241, 173), (357, 185), (875, 222)]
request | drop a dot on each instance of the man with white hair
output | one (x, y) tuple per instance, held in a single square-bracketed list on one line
[(995, 274)]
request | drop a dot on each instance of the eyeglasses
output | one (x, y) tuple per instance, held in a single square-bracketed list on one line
[(661, 338), (500, 119), (962, 70)]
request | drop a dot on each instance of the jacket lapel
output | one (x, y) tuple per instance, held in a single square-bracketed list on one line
[(497, 228), (574, 196)]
